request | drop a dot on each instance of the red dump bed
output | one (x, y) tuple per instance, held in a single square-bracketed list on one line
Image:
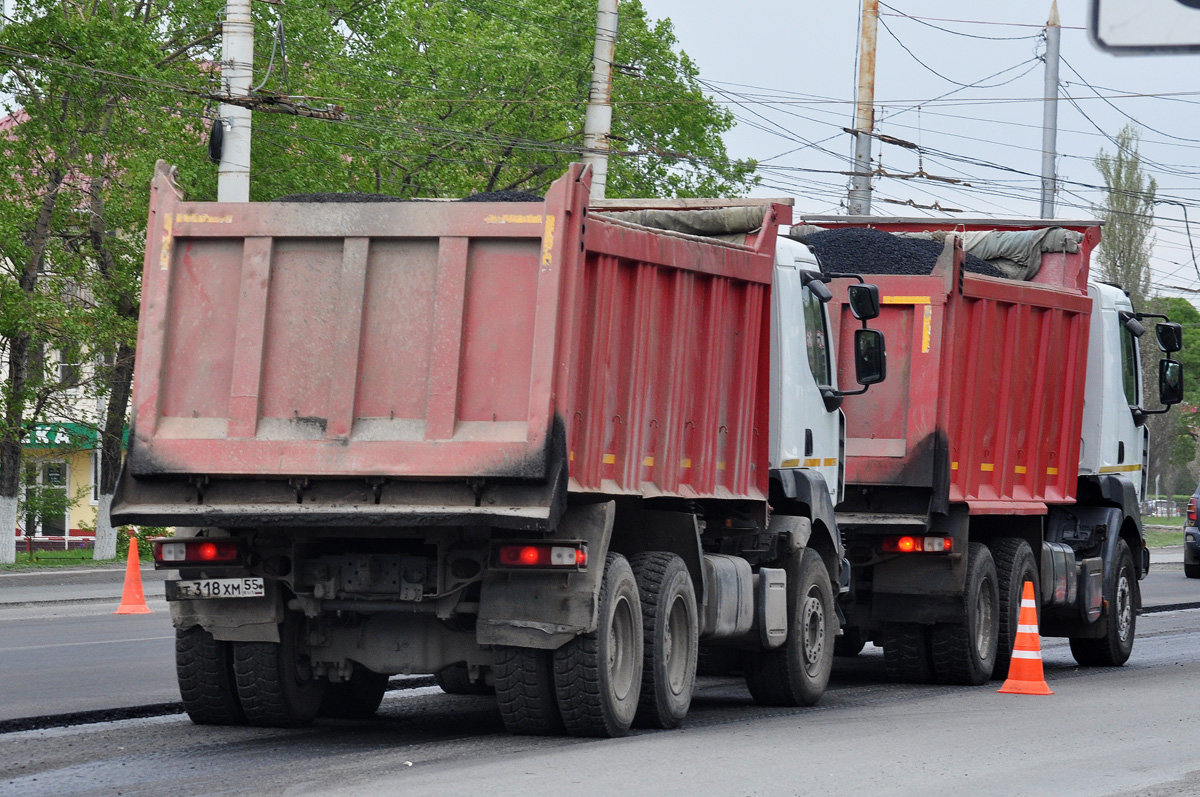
[(985, 379), (445, 340)]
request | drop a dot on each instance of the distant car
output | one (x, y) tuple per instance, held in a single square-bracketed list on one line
[(1191, 539)]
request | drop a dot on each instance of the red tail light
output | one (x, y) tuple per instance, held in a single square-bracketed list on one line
[(180, 553), (918, 544), (540, 556), (1191, 511)]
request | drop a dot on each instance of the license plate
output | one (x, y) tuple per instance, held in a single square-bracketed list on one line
[(218, 588)]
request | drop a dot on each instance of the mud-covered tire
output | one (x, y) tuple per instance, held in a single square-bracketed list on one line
[(797, 672), (907, 657), (355, 699), (850, 643), (598, 676), (1191, 571), (1014, 566), (670, 639), (1113, 649), (524, 679), (965, 653), (275, 683), (204, 668), (456, 680)]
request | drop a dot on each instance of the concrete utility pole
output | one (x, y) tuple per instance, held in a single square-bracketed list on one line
[(864, 117), (1050, 112), (237, 68), (597, 121)]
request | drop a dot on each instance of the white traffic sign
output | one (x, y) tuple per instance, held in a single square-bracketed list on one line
[(1146, 26)]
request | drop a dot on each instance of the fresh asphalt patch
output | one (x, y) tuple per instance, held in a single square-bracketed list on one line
[(141, 712)]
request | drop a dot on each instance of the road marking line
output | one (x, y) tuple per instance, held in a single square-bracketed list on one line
[(97, 642)]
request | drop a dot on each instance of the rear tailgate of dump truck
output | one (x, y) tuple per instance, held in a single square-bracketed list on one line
[(299, 340), (983, 403), (413, 363)]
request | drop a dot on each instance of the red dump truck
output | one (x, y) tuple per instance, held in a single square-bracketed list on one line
[(1007, 445), (527, 447)]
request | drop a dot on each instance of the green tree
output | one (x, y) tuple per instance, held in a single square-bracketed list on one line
[(1173, 437), (451, 97), (427, 98), (95, 103), (1128, 216)]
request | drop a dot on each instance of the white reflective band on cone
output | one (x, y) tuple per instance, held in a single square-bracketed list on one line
[(1026, 654), (1027, 629)]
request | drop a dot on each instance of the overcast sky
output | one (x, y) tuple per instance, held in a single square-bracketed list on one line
[(788, 71)]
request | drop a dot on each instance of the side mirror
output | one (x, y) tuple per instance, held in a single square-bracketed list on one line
[(1170, 382), (1170, 336), (864, 301), (870, 357)]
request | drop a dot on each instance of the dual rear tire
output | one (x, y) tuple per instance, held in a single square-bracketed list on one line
[(962, 652), (637, 667)]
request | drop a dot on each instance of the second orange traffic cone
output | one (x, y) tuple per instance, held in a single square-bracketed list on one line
[(133, 599), (1025, 676)]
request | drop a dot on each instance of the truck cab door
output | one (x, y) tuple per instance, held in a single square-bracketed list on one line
[(804, 433), (1113, 440)]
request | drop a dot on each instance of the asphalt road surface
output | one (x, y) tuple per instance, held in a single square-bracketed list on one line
[(1121, 731)]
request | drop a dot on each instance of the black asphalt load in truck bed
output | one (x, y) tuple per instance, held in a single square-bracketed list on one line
[(865, 251)]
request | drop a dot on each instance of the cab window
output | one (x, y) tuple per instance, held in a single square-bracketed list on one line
[(1129, 367), (816, 338)]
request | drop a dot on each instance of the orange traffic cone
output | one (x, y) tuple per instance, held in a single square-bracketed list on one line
[(1025, 676), (133, 599)]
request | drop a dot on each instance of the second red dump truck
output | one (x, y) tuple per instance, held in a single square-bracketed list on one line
[(1007, 445)]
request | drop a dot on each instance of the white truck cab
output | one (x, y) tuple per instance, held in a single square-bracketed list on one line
[(1112, 439), (805, 434)]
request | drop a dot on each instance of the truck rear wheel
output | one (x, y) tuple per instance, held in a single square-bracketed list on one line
[(965, 653), (357, 698), (204, 668), (906, 653), (525, 690), (1113, 649), (598, 676), (796, 673), (670, 637), (456, 680), (275, 680), (1014, 566)]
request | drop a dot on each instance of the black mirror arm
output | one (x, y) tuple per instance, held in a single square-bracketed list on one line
[(837, 275)]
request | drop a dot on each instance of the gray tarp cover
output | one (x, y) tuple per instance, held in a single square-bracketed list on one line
[(712, 222), (1018, 254)]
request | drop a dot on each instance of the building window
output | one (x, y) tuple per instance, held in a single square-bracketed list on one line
[(47, 502)]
